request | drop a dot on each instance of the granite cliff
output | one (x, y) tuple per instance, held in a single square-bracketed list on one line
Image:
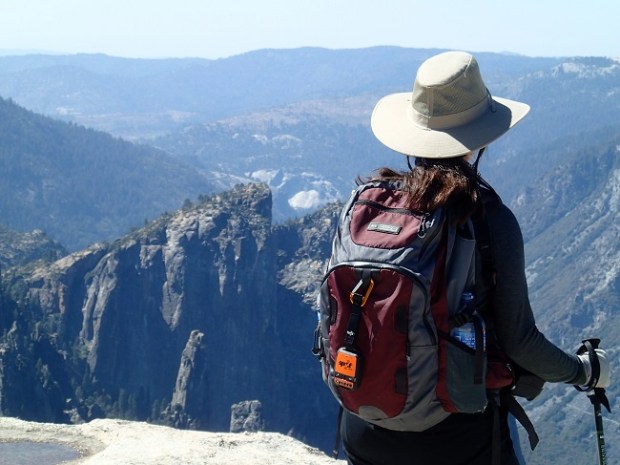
[(173, 323)]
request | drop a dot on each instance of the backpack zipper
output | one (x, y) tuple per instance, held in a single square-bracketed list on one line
[(399, 210)]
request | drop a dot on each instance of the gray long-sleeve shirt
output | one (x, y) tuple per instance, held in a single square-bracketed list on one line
[(514, 321)]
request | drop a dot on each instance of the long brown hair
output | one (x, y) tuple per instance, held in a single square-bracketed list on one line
[(451, 183)]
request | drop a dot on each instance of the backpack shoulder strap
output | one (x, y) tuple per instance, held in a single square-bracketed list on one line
[(489, 199)]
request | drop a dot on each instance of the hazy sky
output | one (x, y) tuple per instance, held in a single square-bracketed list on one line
[(220, 28)]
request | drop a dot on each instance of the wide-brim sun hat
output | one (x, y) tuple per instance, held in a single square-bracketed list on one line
[(450, 112)]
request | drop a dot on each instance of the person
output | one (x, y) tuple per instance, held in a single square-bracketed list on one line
[(444, 125)]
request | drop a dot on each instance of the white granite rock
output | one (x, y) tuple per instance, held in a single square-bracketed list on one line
[(119, 442)]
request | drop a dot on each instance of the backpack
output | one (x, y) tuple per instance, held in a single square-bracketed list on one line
[(389, 303)]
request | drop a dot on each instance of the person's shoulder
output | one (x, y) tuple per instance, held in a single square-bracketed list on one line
[(503, 224)]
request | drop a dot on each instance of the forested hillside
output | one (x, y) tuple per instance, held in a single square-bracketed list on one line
[(80, 185)]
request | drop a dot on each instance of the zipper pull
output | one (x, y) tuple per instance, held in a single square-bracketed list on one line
[(425, 225)]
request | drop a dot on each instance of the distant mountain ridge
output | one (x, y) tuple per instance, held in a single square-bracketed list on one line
[(567, 96), (120, 95), (296, 119)]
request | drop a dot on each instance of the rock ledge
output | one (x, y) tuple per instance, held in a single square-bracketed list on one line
[(113, 442)]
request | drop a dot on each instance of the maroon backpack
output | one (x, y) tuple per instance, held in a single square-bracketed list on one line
[(389, 305)]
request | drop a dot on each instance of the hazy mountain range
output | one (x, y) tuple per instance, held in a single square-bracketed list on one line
[(297, 121)]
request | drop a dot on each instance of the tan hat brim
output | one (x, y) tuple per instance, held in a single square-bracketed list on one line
[(392, 124)]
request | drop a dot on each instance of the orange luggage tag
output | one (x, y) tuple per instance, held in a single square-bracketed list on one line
[(347, 369)]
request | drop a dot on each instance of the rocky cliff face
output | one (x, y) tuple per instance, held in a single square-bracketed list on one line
[(175, 322), (571, 224)]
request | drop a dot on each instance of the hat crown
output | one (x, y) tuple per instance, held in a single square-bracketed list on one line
[(449, 85)]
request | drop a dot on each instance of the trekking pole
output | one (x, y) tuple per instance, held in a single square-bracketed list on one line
[(597, 396)]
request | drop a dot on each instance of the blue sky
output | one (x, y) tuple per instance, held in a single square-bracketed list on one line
[(220, 28)]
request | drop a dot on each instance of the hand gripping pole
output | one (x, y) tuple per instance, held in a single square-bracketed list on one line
[(596, 395)]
